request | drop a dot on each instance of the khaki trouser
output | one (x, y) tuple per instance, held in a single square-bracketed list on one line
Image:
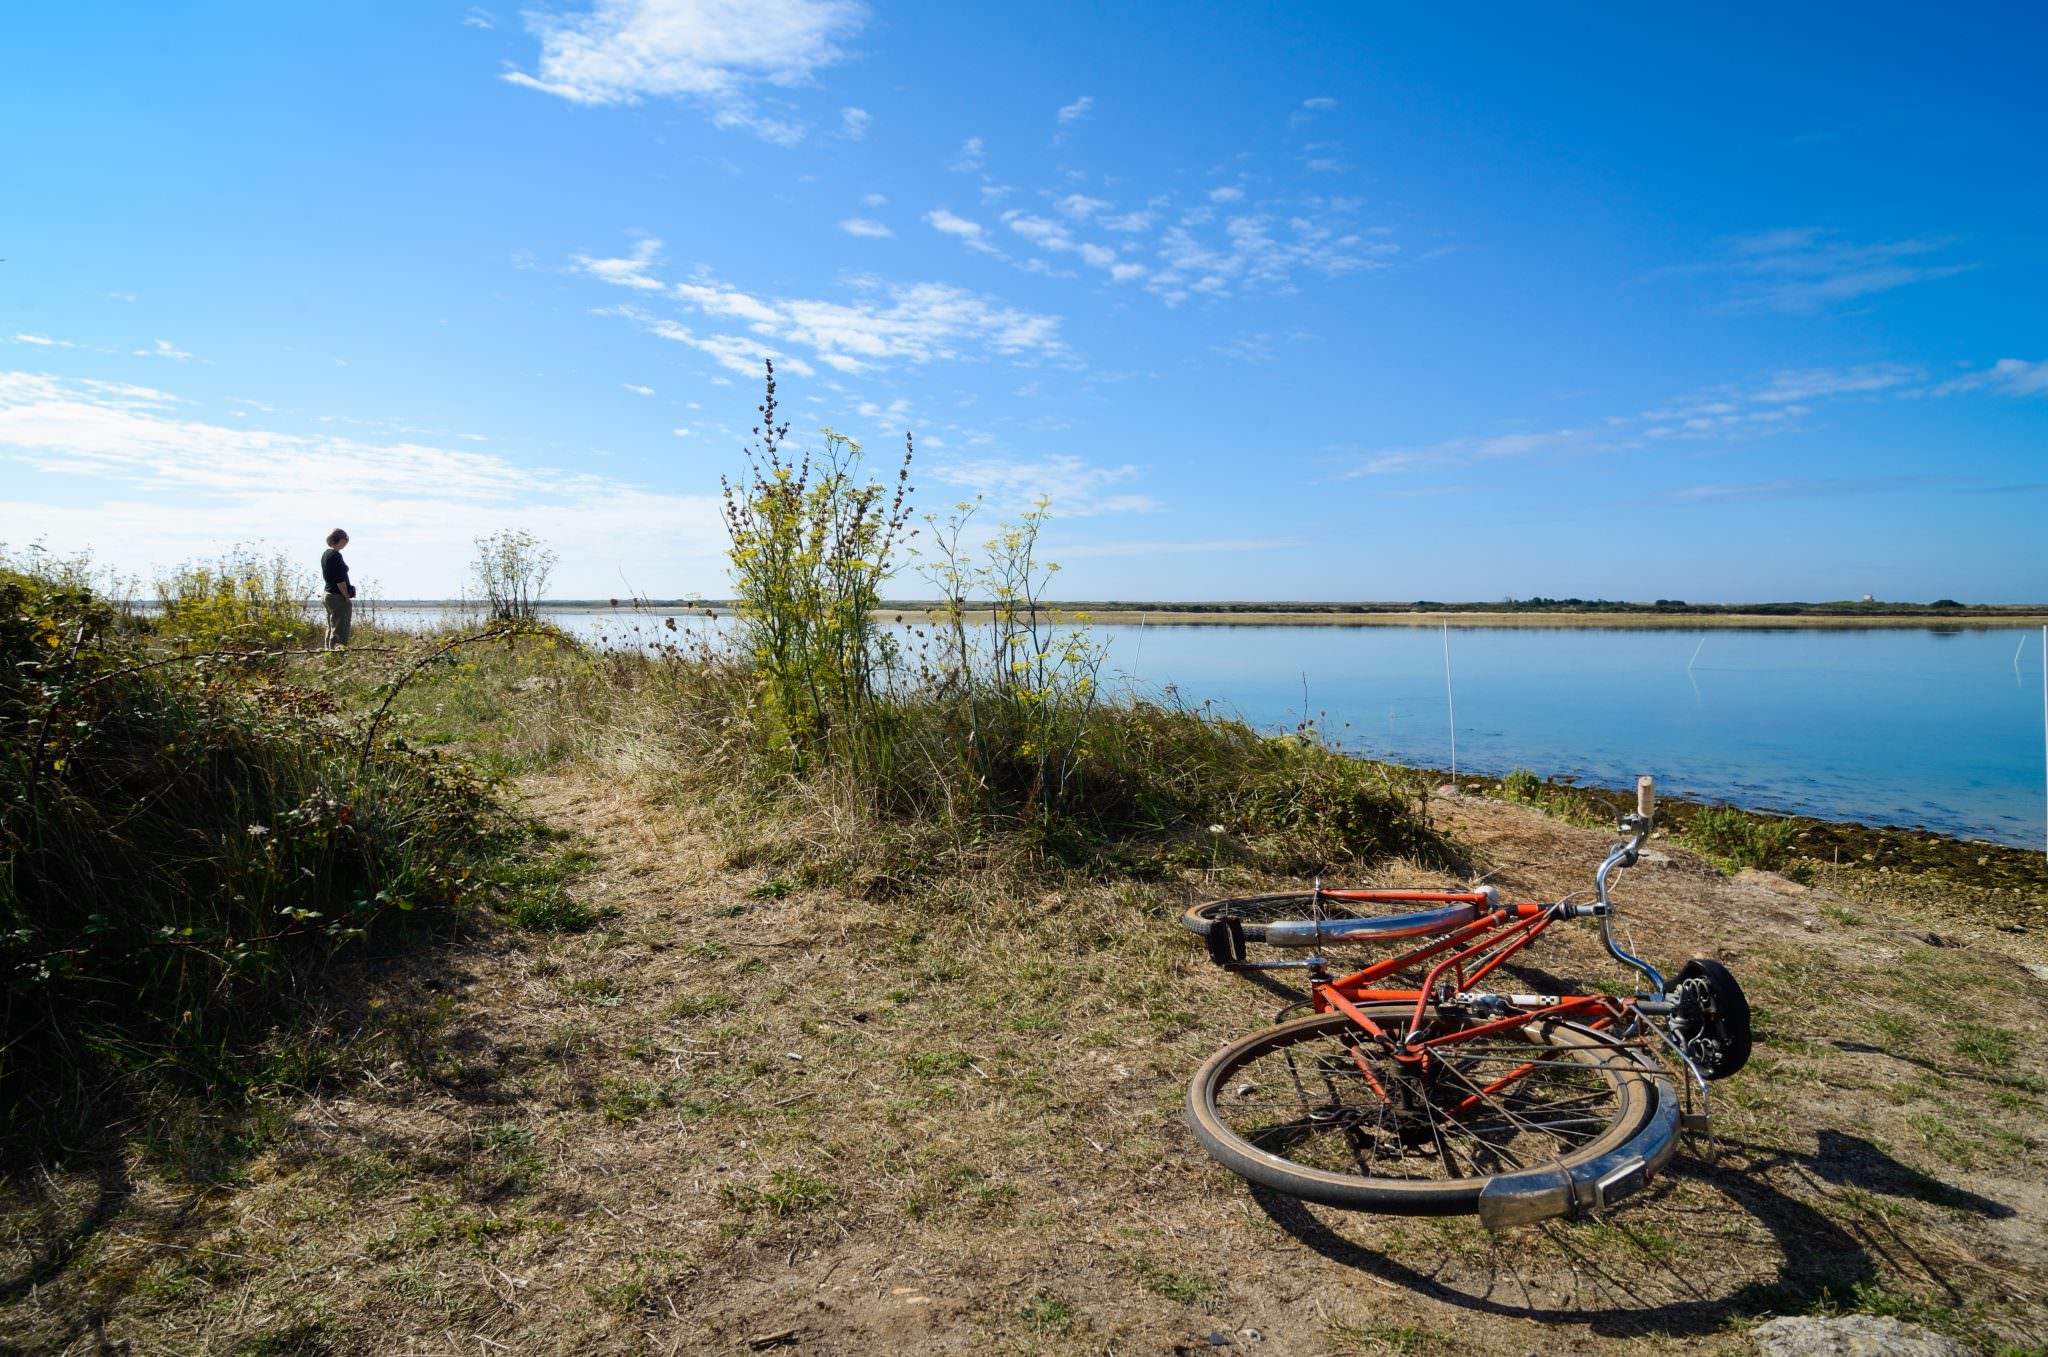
[(339, 608)]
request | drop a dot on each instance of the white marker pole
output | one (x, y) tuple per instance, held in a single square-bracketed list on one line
[(1695, 654), (1451, 701)]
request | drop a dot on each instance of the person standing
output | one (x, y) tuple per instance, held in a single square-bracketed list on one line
[(340, 593)]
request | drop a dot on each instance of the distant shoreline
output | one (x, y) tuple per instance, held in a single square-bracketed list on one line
[(1368, 615)]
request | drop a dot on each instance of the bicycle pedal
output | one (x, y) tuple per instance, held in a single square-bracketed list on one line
[(1696, 1124)]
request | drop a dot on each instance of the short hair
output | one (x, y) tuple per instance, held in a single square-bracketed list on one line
[(336, 538)]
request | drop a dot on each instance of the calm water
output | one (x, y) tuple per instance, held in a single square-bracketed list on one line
[(1905, 727)]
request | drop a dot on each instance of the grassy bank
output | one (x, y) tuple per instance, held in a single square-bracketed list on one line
[(883, 1081), (1932, 875)]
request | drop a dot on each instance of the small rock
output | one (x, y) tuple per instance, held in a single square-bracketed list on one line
[(1251, 1335), (1851, 1336), (1219, 1339), (1449, 789)]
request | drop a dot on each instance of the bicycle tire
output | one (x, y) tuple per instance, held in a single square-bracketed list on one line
[(1587, 1061), (1725, 1021), (1256, 911)]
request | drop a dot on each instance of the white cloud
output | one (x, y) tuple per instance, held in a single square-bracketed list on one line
[(164, 348), (862, 226), (1319, 103), (853, 123), (1099, 550), (1080, 206), (680, 433), (970, 156), (910, 322), (479, 17), (1128, 221), (2010, 376), (1805, 384), (44, 342), (708, 50), (1262, 253), (628, 272), (1805, 269), (1075, 489), (175, 487), (1074, 112), (1226, 195), (873, 200), (638, 390), (970, 233)]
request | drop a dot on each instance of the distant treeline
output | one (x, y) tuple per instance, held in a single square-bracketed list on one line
[(1944, 607)]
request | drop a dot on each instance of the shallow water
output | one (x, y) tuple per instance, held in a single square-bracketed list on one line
[(1936, 728)]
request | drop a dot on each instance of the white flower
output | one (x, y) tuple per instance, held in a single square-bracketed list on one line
[(259, 830), (1215, 829)]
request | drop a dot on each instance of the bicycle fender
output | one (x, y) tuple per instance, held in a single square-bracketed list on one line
[(1552, 1191), (1316, 932)]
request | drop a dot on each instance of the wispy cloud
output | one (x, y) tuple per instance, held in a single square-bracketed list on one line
[(426, 502), (2008, 376), (44, 342), (1792, 488), (1075, 488), (479, 17), (1806, 268), (969, 157), (1806, 384), (1074, 112), (1261, 252), (853, 123), (711, 51), (886, 323), (969, 233), (864, 226), (638, 390), (164, 348), (1082, 551), (629, 271)]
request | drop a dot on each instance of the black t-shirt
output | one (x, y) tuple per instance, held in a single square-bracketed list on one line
[(334, 571)]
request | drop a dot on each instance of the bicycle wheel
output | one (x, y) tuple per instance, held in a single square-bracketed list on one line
[(1289, 1108), (1259, 910)]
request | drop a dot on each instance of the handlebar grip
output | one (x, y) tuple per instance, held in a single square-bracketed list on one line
[(1646, 796)]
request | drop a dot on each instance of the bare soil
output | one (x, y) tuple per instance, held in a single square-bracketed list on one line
[(744, 1115)]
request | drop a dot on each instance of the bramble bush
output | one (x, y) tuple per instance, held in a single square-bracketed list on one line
[(181, 843)]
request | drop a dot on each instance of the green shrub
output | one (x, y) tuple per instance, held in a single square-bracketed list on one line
[(1522, 785), (243, 600), (992, 721), (1740, 840), (811, 543), (178, 847)]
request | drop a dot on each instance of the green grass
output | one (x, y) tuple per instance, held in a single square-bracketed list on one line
[(185, 843)]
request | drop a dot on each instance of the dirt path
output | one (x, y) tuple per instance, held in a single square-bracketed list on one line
[(743, 1115)]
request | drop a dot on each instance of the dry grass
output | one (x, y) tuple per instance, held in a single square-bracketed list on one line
[(948, 1120)]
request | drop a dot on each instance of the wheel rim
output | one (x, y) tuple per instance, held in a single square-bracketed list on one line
[(1503, 1103)]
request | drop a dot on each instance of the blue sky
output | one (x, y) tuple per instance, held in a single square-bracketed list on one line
[(1308, 303)]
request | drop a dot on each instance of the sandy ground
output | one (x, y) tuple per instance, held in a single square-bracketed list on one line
[(752, 1115)]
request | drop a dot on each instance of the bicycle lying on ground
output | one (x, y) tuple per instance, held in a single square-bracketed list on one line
[(1436, 1097)]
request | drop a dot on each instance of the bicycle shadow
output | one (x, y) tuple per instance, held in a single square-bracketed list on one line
[(1675, 1262)]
